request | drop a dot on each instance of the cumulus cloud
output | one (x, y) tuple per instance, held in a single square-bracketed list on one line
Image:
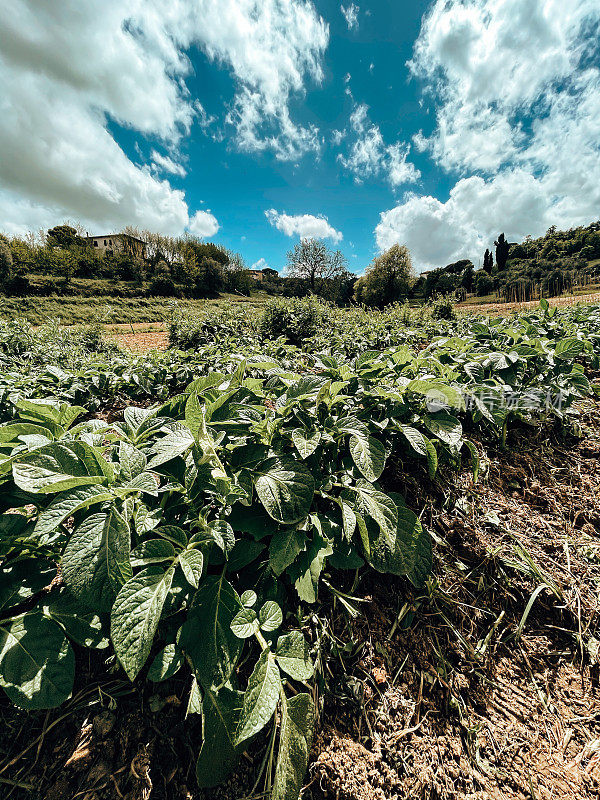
[(350, 14), (260, 264), (305, 226), (369, 156), (69, 70), (203, 223), (517, 98), (437, 233)]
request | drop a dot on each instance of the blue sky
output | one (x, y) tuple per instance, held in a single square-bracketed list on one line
[(433, 123)]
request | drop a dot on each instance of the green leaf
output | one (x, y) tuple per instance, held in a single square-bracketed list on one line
[(285, 488), (191, 562), (405, 552), (206, 635), (22, 579), (132, 461), (293, 656), (432, 458), (305, 444), (135, 616), (297, 724), (165, 664), (284, 548), (270, 616), (348, 520), (152, 551), (248, 598), (567, 349), (374, 503), (67, 504), (245, 623), (260, 698), (55, 467), (446, 427), (219, 753), (95, 563), (369, 456), (81, 626), (171, 446), (37, 663), (415, 439)]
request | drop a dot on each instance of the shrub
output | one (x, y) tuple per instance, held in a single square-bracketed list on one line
[(442, 308), (162, 286), (294, 319), (17, 286)]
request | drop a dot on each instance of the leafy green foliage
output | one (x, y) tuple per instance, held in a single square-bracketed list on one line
[(198, 536)]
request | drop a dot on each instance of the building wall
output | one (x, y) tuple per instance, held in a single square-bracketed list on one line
[(114, 244)]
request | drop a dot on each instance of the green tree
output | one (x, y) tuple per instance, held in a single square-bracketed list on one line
[(484, 283), (388, 279), (502, 248), (65, 236), (468, 277), (314, 262), (6, 262)]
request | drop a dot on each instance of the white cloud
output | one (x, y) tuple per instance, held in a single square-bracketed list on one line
[(517, 96), (260, 264), (303, 225), (477, 210), (166, 164), (492, 63), (68, 69), (350, 14), (203, 223), (370, 157)]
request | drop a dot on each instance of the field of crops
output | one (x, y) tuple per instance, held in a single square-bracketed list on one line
[(292, 550)]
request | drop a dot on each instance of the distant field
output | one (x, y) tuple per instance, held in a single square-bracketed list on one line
[(104, 309)]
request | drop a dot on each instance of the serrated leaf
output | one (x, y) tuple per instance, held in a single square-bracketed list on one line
[(369, 456), (285, 488), (206, 635), (284, 548), (95, 563), (37, 663), (165, 663), (260, 698), (219, 754), (297, 725), (135, 616), (293, 656)]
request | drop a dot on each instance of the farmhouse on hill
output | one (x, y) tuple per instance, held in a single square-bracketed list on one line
[(111, 243)]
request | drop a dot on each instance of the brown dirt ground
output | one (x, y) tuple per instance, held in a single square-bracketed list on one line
[(508, 308), (437, 693)]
